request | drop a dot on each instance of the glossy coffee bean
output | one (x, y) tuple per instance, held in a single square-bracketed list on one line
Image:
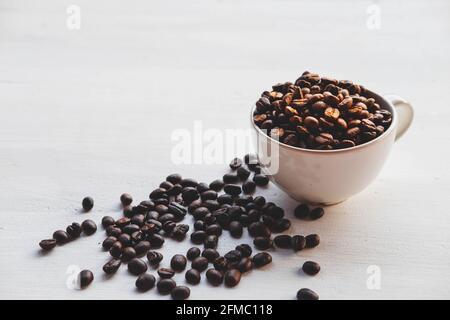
[(165, 286), (166, 273), (236, 229), (137, 266), (261, 259), (221, 264), (128, 253), (243, 173), (61, 236), (211, 242), (214, 277), (245, 265), (145, 282), (154, 257), (217, 185), (210, 254), (200, 264), (47, 244), (87, 203), (193, 253), (248, 187), (233, 256), (262, 243), (316, 213), (301, 211), (232, 189), (85, 278), (126, 199), (112, 266), (198, 237), (244, 249), (174, 178), (283, 241), (298, 242), (230, 178), (116, 249), (107, 221), (192, 276), (311, 268), (261, 180), (312, 240), (178, 262), (142, 248), (74, 230), (307, 294), (89, 227), (232, 277), (180, 293)]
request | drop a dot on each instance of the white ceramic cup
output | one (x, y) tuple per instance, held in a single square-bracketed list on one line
[(331, 176)]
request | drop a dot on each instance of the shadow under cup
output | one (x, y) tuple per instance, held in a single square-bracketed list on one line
[(325, 177)]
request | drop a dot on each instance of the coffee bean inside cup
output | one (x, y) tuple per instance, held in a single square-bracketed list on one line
[(321, 113)]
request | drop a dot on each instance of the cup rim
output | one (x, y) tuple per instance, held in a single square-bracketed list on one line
[(385, 134)]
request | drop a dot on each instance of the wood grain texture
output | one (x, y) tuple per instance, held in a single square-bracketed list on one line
[(91, 112)]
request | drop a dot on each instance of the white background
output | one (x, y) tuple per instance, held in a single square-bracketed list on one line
[(91, 112)]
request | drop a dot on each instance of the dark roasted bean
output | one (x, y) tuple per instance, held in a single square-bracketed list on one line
[(165, 286), (192, 276), (198, 237), (47, 244), (312, 240), (243, 173), (210, 254), (180, 293), (283, 241), (154, 257), (244, 249), (125, 239), (200, 264), (112, 266), (298, 242), (128, 253), (235, 163), (178, 262), (233, 256), (87, 203), (107, 221), (156, 241), (179, 232), (236, 229), (220, 264), (137, 266), (215, 277), (301, 211), (145, 282), (166, 273), (116, 249), (74, 230), (307, 294), (142, 247), (245, 265), (193, 253), (311, 268), (174, 178), (126, 199), (217, 185), (262, 243), (89, 227), (85, 278), (230, 178), (188, 182), (211, 242), (232, 277), (261, 259), (260, 180), (190, 194), (214, 229), (317, 213), (232, 189), (225, 199), (61, 236), (249, 187)]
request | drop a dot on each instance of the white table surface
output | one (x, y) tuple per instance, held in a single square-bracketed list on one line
[(91, 112)]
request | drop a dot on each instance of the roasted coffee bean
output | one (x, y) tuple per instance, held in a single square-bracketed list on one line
[(128, 253), (193, 253), (107, 221), (137, 266), (179, 232), (61, 236), (168, 227), (116, 249), (85, 278), (180, 293), (221, 264), (158, 194), (298, 242), (311, 268), (214, 229), (200, 213), (245, 265), (87, 203), (156, 241), (248, 187), (126, 199), (232, 189), (142, 247), (233, 256), (261, 259), (198, 237), (112, 266), (177, 210), (113, 231), (130, 229), (211, 242), (200, 264), (190, 194), (145, 282), (192, 276), (162, 209), (210, 254), (125, 239), (47, 244), (235, 163), (243, 173), (217, 185), (236, 229), (154, 257), (208, 195), (312, 240), (230, 178), (74, 230), (232, 277), (89, 227), (280, 225), (122, 222), (301, 211), (259, 201), (166, 185), (283, 241), (225, 199), (165, 286), (307, 294), (189, 182), (199, 225), (178, 262), (317, 213), (258, 229), (262, 243), (244, 249), (214, 277), (174, 178), (166, 273), (202, 187), (166, 218), (260, 180), (275, 212)]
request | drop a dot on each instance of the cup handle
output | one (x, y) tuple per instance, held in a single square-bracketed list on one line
[(405, 114)]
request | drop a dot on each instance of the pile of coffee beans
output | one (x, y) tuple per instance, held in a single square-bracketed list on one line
[(224, 205), (320, 113)]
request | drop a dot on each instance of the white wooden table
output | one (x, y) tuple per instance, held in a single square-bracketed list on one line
[(91, 112)]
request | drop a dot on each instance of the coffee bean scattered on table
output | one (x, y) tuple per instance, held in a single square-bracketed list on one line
[(145, 282), (215, 277), (87, 203), (312, 240), (61, 237), (74, 230), (85, 278), (47, 244), (165, 286), (307, 294), (137, 266), (232, 277), (112, 266), (89, 227), (193, 253), (261, 259), (180, 293), (165, 273), (154, 257), (192, 276), (321, 113), (311, 268), (126, 199), (178, 262)]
